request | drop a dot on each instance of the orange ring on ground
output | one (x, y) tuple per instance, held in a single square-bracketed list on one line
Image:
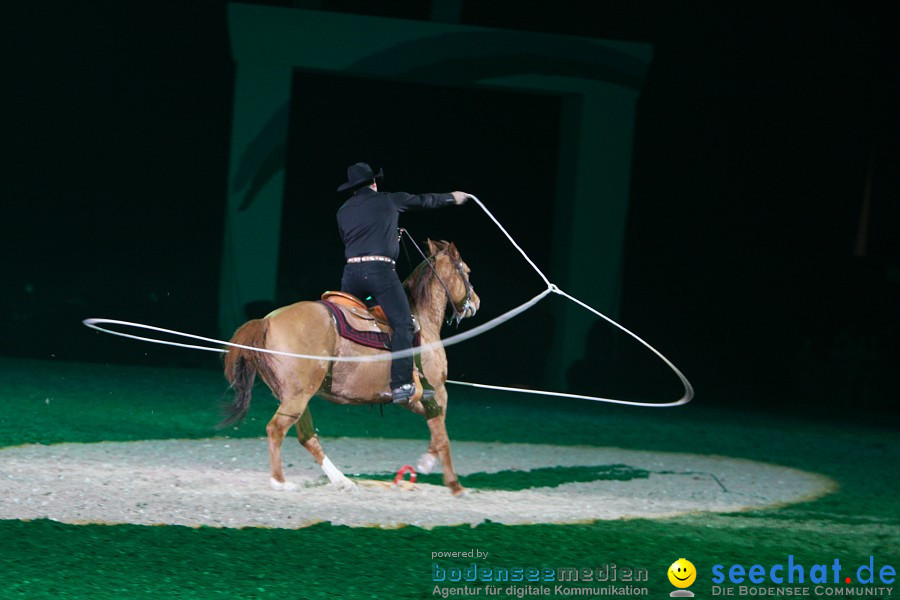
[(403, 471)]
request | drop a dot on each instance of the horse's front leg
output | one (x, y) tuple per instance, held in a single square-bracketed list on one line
[(434, 412), (434, 367), (440, 447), (429, 459)]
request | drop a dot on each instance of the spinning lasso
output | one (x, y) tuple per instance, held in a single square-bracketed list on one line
[(551, 288)]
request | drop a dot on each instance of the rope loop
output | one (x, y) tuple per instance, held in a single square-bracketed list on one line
[(551, 288)]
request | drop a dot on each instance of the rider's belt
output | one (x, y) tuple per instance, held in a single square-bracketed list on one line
[(359, 259)]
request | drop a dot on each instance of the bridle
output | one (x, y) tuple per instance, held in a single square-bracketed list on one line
[(459, 312)]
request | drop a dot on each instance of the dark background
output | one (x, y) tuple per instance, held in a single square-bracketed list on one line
[(758, 131)]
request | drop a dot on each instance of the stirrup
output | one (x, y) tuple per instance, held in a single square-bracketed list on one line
[(405, 393)]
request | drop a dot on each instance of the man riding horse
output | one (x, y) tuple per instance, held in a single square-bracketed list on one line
[(367, 222)]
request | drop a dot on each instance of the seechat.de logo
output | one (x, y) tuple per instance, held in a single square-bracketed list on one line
[(682, 574)]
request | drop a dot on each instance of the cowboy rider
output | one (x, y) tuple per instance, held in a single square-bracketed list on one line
[(367, 222)]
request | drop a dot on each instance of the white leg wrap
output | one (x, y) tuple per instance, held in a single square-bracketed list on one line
[(335, 476), (426, 463)]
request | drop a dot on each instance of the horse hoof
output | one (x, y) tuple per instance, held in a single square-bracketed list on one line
[(282, 486), (426, 463), (456, 489), (346, 485)]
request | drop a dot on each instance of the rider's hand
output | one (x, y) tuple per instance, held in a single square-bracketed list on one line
[(460, 197)]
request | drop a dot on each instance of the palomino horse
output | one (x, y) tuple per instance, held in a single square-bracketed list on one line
[(309, 328)]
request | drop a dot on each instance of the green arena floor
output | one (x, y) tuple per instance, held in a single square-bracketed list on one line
[(47, 402)]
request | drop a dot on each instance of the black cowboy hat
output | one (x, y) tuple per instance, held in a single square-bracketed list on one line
[(359, 175)]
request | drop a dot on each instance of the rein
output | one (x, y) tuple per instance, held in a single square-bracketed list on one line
[(458, 313)]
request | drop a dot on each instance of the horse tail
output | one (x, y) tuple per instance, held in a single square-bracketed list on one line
[(242, 365)]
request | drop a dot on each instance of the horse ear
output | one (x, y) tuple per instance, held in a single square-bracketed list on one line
[(432, 247), (453, 251)]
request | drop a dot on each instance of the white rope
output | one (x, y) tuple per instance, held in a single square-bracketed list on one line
[(688, 388), (683, 400), (512, 241), (95, 323)]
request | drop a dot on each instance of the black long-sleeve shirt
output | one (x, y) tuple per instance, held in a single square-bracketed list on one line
[(368, 220)]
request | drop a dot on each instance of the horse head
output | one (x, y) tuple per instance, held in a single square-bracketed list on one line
[(445, 271), (453, 272)]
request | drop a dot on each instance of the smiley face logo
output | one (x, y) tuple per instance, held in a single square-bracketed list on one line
[(682, 573)]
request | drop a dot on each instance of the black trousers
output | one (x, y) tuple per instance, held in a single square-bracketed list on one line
[(380, 281)]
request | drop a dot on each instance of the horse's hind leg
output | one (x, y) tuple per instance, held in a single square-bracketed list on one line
[(306, 433), (276, 430), (289, 412)]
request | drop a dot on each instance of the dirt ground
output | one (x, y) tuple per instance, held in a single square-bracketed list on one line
[(224, 483)]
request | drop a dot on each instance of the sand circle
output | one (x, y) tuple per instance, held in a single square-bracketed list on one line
[(224, 483)]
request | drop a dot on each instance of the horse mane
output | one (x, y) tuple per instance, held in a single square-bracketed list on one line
[(419, 281)]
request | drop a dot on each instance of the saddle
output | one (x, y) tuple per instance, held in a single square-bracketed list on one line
[(360, 324)]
